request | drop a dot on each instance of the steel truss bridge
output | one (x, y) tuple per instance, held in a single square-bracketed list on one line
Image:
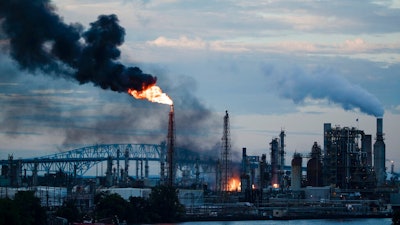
[(79, 161)]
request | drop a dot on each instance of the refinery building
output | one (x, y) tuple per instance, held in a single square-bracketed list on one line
[(345, 176)]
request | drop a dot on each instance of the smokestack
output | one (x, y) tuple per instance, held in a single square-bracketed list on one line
[(379, 127), (379, 154)]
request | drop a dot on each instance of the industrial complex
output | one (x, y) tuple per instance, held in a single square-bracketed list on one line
[(345, 176)]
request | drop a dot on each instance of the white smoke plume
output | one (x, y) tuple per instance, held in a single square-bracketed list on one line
[(297, 85)]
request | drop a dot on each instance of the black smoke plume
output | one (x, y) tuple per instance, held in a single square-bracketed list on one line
[(39, 40)]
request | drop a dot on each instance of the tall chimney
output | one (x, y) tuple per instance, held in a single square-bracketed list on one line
[(379, 154), (379, 128), (171, 146)]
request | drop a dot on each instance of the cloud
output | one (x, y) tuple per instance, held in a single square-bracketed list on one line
[(357, 44), (395, 109), (295, 46), (182, 42), (356, 48), (198, 44)]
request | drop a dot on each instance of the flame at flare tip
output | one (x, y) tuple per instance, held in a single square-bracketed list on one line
[(153, 94)]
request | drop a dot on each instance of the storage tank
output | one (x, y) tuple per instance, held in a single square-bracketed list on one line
[(296, 171)]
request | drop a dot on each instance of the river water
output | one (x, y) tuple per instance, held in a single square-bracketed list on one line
[(380, 221)]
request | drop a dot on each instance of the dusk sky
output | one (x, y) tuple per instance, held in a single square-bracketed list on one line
[(291, 65)]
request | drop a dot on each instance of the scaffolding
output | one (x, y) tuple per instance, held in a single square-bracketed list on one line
[(225, 161), (344, 160)]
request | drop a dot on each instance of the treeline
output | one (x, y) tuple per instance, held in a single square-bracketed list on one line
[(161, 206), (24, 209)]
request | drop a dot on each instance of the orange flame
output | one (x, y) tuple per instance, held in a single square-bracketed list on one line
[(234, 184), (153, 94)]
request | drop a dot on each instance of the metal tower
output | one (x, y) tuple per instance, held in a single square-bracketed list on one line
[(282, 149), (171, 146), (225, 155)]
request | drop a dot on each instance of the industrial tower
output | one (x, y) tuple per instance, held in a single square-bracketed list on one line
[(379, 154), (225, 161), (171, 146), (277, 146), (345, 161)]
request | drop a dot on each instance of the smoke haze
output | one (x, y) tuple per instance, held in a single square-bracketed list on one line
[(38, 40)]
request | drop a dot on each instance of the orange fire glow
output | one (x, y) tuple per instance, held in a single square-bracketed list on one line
[(153, 94), (234, 184)]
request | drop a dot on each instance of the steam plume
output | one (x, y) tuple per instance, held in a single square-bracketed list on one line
[(40, 40), (324, 84)]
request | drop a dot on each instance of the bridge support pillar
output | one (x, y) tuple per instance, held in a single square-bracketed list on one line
[(137, 169), (146, 169), (109, 174), (35, 174)]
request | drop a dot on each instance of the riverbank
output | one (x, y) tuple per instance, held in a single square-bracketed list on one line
[(336, 221), (194, 218), (240, 212)]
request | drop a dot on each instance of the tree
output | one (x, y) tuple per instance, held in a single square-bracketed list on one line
[(396, 218), (110, 205), (29, 208), (165, 204), (8, 212), (140, 210), (69, 211)]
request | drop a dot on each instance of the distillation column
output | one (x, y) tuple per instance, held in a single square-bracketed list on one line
[(282, 151), (275, 181)]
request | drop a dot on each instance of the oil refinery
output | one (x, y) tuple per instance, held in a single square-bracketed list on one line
[(345, 177)]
